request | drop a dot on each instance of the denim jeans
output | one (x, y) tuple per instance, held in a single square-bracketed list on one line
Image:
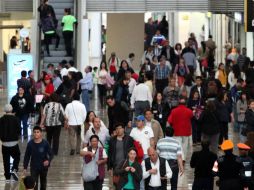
[(24, 120), (241, 127), (85, 99)]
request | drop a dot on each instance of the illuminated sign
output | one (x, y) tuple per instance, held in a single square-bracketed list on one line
[(15, 64)]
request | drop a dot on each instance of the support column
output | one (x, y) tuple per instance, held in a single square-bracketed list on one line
[(95, 34), (250, 45), (83, 32), (171, 24), (34, 31), (125, 34)]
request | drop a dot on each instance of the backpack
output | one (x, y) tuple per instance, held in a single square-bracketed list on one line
[(47, 24), (65, 96)]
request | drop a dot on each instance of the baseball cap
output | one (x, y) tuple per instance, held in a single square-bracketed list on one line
[(140, 118), (243, 146), (227, 145)]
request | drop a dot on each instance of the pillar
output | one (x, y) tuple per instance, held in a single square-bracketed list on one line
[(250, 45), (34, 33), (83, 32), (125, 34), (95, 34)]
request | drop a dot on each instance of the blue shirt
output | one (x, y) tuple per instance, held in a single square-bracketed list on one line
[(37, 153), (161, 72), (87, 82)]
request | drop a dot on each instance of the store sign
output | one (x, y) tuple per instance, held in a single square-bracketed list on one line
[(249, 15), (15, 64)]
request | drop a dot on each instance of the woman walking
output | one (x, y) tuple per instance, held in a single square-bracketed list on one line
[(130, 172), (53, 119), (103, 72), (94, 153)]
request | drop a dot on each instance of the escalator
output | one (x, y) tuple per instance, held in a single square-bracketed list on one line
[(57, 55)]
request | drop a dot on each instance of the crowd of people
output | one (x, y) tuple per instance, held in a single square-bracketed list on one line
[(177, 100)]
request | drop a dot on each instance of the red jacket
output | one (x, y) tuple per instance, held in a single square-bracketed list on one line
[(180, 120)]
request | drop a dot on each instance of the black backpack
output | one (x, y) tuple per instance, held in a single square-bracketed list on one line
[(48, 24), (65, 96)]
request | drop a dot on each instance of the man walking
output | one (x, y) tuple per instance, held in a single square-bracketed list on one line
[(203, 162), (39, 154), (171, 150), (9, 135), (180, 120), (156, 171), (76, 115), (87, 86)]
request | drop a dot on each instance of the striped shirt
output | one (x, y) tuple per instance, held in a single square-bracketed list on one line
[(169, 148)]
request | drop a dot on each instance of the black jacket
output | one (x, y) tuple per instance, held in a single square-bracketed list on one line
[(209, 122), (162, 172), (171, 55), (137, 175), (22, 108), (249, 118), (127, 144), (119, 113), (202, 90), (224, 110), (9, 128), (203, 162)]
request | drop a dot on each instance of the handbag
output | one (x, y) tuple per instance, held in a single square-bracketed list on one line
[(90, 169), (116, 178)]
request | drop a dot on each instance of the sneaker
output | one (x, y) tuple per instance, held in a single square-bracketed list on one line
[(15, 175)]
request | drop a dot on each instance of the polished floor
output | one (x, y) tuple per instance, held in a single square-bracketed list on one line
[(65, 170)]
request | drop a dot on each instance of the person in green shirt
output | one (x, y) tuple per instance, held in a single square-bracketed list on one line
[(68, 22), (130, 172)]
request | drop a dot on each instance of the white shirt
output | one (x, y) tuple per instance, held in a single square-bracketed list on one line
[(232, 80), (155, 180), (141, 92), (90, 125), (143, 136), (149, 124), (103, 135), (102, 76), (132, 84), (72, 69), (104, 154), (64, 72), (76, 113)]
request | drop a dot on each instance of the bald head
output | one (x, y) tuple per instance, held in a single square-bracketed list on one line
[(152, 154)]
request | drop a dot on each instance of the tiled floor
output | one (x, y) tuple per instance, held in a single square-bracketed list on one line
[(65, 171)]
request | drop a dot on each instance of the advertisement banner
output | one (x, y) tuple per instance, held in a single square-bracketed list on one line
[(15, 64)]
